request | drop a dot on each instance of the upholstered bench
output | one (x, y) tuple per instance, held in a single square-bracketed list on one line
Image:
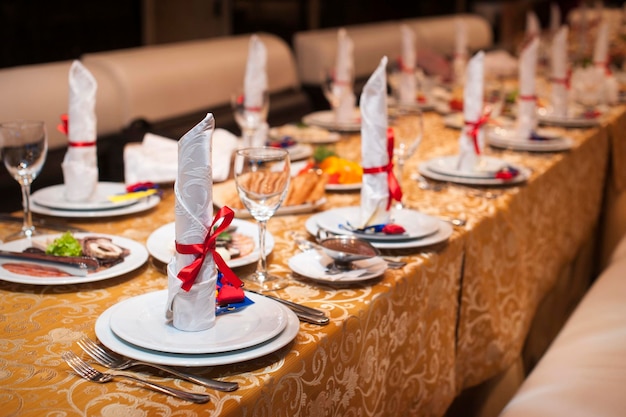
[(583, 373), (315, 50)]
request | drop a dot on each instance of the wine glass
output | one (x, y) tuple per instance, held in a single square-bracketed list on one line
[(408, 129), (340, 96), (262, 177), (24, 146), (250, 115)]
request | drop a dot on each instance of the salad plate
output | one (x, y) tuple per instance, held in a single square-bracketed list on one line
[(312, 264)]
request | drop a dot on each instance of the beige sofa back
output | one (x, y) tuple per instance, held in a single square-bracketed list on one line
[(166, 81), (316, 50)]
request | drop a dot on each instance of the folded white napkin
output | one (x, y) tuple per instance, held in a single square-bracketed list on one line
[(555, 18), (193, 309), (255, 79), (459, 62), (500, 63), (471, 141), (151, 160), (408, 81), (374, 190), (559, 78), (526, 121), (343, 88), (80, 164)]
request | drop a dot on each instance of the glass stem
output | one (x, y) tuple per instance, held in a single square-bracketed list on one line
[(28, 219), (262, 264), (400, 164)]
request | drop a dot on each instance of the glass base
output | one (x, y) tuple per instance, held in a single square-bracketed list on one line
[(22, 234), (261, 282)]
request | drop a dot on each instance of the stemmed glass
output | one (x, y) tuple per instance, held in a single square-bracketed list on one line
[(24, 146), (262, 176), (408, 129), (249, 118)]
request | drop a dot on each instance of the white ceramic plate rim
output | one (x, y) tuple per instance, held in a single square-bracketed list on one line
[(523, 175), (446, 165), (343, 187), (137, 257), (110, 340), (416, 224), (160, 243), (443, 234), (142, 205), (372, 271), (326, 119), (330, 137), (550, 145), (140, 320), (53, 197)]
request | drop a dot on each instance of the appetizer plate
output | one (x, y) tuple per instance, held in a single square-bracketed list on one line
[(108, 338), (140, 321), (160, 243), (304, 134), (137, 257), (54, 197), (416, 224), (326, 119), (443, 233), (311, 264)]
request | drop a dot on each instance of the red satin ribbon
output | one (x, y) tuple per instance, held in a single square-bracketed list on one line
[(404, 68), (395, 192), (63, 127), (604, 65), (189, 273), (565, 81), (253, 108), (475, 128), (528, 98), (81, 144)]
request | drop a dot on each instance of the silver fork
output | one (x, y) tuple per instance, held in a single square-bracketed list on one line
[(88, 372), (119, 363)]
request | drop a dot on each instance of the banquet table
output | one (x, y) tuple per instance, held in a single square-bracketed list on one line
[(406, 343)]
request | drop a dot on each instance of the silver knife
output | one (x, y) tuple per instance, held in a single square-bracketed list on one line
[(74, 265), (305, 313)]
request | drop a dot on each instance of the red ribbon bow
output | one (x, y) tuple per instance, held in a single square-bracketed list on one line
[(189, 273), (63, 127), (395, 192), (474, 128)]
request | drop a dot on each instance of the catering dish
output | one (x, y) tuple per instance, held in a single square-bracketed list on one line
[(160, 243), (326, 119), (140, 321), (137, 256), (108, 338)]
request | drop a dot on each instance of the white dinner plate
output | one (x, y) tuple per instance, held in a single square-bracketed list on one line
[(416, 224), (161, 244), (141, 321), (142, 205), (486, 169), (547, 117), (225, 190), (523, 175), (54, 197), (299, 151), (116, 344), (443, 233), (304, 134), (312, 264), (503, 138), (137, 257), (326, 119)]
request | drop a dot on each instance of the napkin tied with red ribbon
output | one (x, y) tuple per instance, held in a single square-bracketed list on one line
[(80, 163), (343, 79), (193, 270), (459, 61), (408, 82), (471, 141), (559, 79), (379, 185), (526, 122)]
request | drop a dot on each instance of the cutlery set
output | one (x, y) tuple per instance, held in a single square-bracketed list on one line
[(118, 363)]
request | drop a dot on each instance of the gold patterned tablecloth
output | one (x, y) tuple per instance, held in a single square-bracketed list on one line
[(405, 344)]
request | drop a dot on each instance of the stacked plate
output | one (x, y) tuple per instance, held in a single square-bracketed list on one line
[(489, 171), (421, 230), (51, 201), (576, 116), (326, 120), (543, 140), (137, 328)]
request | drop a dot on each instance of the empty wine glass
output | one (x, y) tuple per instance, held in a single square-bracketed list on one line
[(250, 115), (24, 146), (262, 177), (340, 96), (408, 129)]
